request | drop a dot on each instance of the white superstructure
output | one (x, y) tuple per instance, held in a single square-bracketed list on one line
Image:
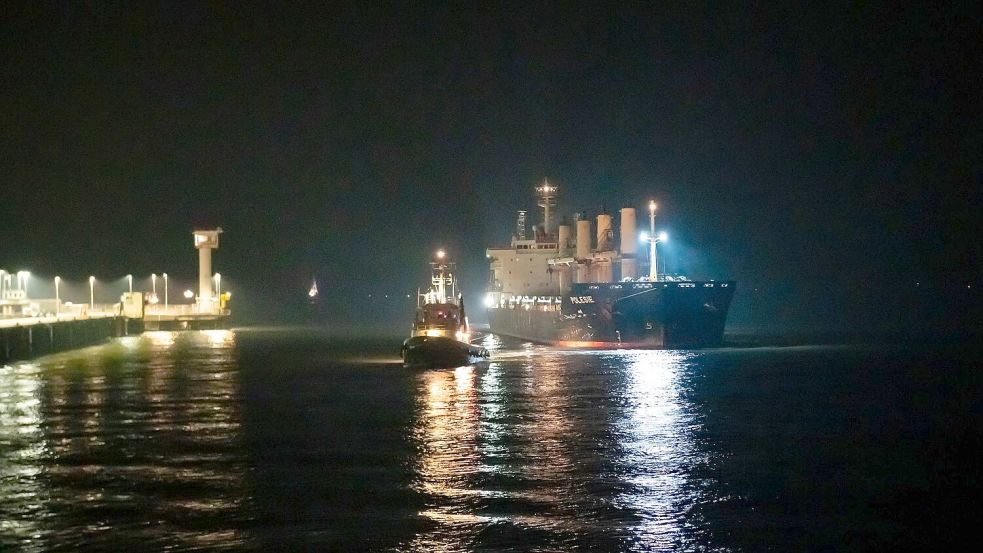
[(558, 256)]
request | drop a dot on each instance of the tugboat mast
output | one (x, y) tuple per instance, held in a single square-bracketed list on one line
[(441, 278), (441, 293)]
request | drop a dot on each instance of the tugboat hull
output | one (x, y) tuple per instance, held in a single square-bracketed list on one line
[(440, 352)]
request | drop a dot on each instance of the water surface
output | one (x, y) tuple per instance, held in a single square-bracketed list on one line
[(270, 439)]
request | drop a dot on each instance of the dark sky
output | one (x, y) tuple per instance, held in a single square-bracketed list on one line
[(796, 148)]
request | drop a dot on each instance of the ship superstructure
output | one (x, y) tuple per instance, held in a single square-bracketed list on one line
[(581, 284), (440, 310)]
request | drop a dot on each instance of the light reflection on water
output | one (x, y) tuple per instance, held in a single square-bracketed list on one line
[(659, 448), (578, 449), (97, 442), (291, 441), (507, 448)]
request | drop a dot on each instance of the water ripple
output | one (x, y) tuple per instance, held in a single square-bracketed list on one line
[(292, 441)]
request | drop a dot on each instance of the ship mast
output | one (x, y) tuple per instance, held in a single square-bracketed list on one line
[(653, 267), (547, 201)]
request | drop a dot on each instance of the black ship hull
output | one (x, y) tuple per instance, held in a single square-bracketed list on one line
[(624, 314), (440, 352)]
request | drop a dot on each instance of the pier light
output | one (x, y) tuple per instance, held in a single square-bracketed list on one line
[(218, 284), (57, 297), (153, 283), (189, 294), (663, 237), (92, 293), (165, 290), (129, 280), (440, 254)]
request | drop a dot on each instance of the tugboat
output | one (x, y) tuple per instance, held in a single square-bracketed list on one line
[(440, 330)]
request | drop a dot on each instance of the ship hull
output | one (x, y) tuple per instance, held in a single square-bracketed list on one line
[(643, 315), (440, 352)]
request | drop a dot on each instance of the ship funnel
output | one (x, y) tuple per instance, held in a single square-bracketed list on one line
[(564, 240), (605, 234), (583, 250), (629, 243), (583, 239)]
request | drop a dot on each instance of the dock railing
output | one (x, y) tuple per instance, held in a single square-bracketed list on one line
[(181, 310), (98, 311)]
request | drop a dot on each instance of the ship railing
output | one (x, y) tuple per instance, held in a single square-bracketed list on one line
[(439, 326), (534, 245), (538, 301), (535, 307)]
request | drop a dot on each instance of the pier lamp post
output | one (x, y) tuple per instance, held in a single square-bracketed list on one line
[(92, 293), (165, 291), (3, 277), (153, 283), (218, 284), (129, 279), (57, 297)]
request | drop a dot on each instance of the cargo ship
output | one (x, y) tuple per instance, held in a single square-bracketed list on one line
[(573, 285), (441, 333)]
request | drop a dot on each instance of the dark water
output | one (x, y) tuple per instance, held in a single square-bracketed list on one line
[(267, 440)]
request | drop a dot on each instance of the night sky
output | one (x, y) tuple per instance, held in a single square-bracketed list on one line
[(828, 156)]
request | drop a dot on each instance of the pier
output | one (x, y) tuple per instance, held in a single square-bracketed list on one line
[(27, 337), (30, 327), (185, 317)]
